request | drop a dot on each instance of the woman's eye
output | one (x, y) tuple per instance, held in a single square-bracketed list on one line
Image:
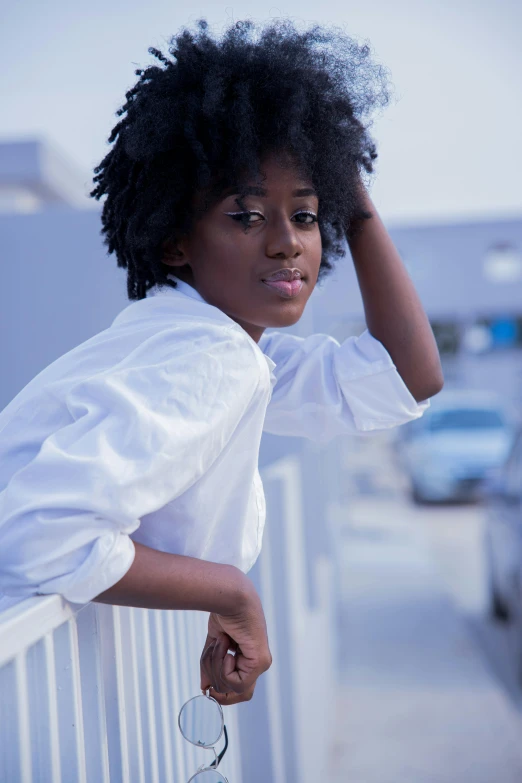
[(307, 215), (253, 218), (244, 217)]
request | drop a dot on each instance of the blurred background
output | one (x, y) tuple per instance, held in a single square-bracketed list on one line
[(427, 530)]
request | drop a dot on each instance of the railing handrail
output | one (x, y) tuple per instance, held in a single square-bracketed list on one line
[(25, 623)]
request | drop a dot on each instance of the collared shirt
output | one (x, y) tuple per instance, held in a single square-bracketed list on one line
[(150, 432)]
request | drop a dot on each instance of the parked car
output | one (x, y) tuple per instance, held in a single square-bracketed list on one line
[(503, 536), (448, 452), (503, 546)]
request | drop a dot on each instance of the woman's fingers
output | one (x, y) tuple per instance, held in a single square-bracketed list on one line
[(230, 673), (212, 659), (233, 677), (218, 669), (226, 699), (229, 665), (206, 663), (219, 653), (241, 671)]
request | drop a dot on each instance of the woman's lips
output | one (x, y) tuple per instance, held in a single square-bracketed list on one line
[(286, 289)]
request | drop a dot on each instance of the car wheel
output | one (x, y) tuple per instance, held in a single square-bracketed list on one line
[(417, 496), (518, 629), (498, 609)]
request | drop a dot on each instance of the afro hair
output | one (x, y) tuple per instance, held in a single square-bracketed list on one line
[(203, 118)]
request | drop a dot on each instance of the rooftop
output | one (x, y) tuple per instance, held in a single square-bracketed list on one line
[(35, 176)]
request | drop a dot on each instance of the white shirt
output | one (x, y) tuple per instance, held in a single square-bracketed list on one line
[(150, 432)]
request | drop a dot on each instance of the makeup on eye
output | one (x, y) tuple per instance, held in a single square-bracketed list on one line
[(240, 216)]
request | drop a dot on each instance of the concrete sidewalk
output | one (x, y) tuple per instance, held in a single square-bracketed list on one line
[(418, 703)]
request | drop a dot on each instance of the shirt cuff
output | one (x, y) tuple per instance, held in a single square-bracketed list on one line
[(108, 561), (374, 390)]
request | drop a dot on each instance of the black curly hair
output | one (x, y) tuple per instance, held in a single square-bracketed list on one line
[(203, 120)]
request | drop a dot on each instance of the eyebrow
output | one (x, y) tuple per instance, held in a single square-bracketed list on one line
[(255, 190)]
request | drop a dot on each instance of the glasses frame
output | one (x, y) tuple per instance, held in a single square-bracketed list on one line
[(213, 767), (208, 769)]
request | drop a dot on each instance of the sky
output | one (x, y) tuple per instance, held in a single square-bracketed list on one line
[(447, 142)]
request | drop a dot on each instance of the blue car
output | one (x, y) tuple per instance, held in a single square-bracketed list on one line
[(449, 451)]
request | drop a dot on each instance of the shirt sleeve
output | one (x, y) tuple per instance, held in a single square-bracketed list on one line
[(139, 435), (325, 388)]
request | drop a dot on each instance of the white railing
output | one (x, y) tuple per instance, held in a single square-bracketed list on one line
[(91, 694)]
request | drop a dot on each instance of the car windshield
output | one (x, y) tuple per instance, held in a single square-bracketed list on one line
[(465, 419)]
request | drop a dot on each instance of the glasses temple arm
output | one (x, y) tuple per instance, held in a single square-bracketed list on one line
[(217, 760)]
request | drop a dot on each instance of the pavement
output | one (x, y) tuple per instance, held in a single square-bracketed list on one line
[(418, 701)]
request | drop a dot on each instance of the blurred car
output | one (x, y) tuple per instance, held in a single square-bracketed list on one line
[(503, 537), (449, 451)]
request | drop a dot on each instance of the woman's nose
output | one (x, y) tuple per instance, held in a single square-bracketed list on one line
[(282, 239)]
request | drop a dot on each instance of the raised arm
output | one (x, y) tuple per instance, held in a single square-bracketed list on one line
[(394, 313)]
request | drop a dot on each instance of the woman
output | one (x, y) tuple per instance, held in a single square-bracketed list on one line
[(129, 466)]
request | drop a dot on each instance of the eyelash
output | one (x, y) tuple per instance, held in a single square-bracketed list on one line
[(238, 217)]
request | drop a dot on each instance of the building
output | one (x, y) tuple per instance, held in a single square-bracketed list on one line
[(58, 285)]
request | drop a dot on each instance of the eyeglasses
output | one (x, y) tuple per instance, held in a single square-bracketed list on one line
[(201, 722)]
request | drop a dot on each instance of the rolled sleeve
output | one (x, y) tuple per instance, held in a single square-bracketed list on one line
[(325, 388), (375, 392), (106, 561)]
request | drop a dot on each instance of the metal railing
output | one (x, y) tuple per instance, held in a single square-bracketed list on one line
[(91, 694)]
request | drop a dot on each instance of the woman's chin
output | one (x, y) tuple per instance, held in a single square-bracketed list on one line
[(286, 317)]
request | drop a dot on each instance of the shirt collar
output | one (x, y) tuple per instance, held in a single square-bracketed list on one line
[(188, 290)]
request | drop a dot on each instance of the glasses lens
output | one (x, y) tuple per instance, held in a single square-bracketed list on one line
[(201, 722), (208, 776)]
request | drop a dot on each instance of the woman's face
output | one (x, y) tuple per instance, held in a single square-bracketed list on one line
[(226, 260)]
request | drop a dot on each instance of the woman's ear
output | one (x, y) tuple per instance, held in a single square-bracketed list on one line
[(173, 255)]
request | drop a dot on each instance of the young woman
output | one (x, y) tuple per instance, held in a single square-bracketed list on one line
[(128, 467)]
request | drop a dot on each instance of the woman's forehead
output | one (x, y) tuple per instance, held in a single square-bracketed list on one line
[(264, 192), (275, 172)]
